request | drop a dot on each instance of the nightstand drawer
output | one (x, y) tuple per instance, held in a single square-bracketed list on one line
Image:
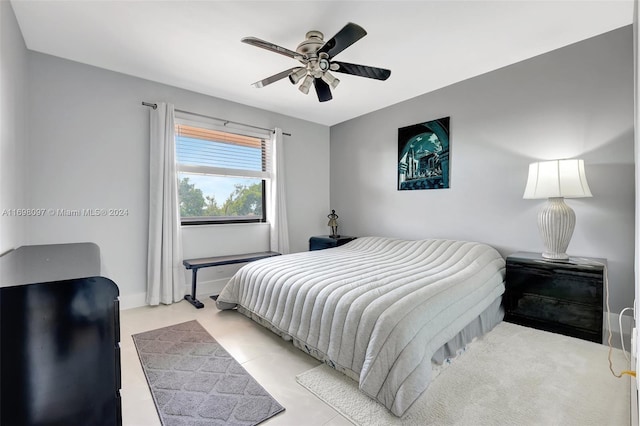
[(537, 307), (556, 283)]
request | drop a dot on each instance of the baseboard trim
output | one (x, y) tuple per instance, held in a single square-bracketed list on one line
[(627, 323), (205, 289), (627, 326), (131, 301)]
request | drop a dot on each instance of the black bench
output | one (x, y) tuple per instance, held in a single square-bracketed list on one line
[(206, 262)]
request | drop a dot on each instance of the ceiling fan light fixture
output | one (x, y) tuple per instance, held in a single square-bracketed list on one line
[(323, 62), (317, 58), (306, 84), (330, 80), (297, 74)]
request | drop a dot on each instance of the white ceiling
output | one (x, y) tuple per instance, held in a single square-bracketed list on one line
[(196, 45)]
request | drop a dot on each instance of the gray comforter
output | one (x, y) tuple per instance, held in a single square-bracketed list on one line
[(375, 308)]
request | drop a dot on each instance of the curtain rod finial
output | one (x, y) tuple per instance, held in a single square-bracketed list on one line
[(147, 104)]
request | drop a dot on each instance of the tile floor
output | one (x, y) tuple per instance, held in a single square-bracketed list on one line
[(273, 362)]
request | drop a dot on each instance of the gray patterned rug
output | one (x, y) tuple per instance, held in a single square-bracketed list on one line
[(195, 382)]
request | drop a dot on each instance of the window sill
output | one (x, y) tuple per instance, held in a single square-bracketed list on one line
[(225, 225)]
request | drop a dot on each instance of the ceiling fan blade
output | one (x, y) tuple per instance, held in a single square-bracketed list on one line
[(323, 90), (361, 70), (345, 38), (274, 78), (253, 41)]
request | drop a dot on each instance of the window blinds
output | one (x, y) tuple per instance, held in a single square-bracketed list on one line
[(215, 152)]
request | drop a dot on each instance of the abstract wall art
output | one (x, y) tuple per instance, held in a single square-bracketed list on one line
[(423, 155)]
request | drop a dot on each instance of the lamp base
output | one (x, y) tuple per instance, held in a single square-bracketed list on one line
[(556, 222), (555, 256)]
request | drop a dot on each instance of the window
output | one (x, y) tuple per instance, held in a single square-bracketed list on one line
[(222, 174)]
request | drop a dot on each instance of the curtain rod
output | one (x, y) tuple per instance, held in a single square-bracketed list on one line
[(154, 106)]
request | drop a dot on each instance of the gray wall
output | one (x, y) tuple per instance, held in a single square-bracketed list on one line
[(86, 146), (13, 129), (89, 147), (575, 102)]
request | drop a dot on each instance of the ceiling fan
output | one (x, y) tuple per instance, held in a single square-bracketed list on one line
[(316, 57)]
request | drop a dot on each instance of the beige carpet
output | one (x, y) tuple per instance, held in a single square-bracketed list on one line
[(512, 376)]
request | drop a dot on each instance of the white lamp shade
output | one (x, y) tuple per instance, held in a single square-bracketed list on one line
[(557, 178)]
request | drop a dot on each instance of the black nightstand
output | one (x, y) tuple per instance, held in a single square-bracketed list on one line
[(563, 297), (322, 242)]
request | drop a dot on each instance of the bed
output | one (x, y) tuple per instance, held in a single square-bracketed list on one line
[(383, 311)]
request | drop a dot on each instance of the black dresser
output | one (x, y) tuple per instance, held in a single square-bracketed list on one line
[(59, 334), (321, 242), (563, 297)]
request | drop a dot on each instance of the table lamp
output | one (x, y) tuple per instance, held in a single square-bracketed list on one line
[(556, 180)]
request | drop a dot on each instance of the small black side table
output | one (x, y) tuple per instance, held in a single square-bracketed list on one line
[(563, 297), (321, 242)]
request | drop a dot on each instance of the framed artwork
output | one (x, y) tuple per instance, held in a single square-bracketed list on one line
[(423, 155)]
